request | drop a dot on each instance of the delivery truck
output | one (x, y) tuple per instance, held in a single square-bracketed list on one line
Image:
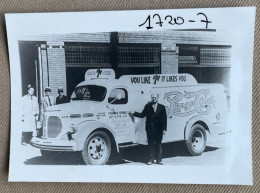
[(97, 121)]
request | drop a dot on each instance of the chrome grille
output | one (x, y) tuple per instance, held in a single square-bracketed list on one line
[(54, 126)]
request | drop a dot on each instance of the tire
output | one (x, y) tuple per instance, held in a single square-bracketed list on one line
[(97, 149), (197, 140)]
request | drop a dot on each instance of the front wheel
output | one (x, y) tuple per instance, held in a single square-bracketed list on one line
[(197, 140), (97, 149)]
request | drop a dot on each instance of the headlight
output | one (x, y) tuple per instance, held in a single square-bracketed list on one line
[(69, 135), (73, 128)]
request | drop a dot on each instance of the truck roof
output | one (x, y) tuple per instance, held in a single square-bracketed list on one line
[(106, 78)]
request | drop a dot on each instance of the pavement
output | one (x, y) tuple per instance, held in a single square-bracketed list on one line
[(173, 154)]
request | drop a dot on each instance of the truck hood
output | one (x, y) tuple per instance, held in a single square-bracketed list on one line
[(74, 107)]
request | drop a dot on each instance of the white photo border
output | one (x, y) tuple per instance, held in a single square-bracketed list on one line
[(238, 170)]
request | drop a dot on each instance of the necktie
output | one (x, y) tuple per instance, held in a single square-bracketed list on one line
[(154, 108), (49, 100)]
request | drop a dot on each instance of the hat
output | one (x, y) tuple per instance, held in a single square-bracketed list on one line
[(60, 89), (47, 89), (29, 86)]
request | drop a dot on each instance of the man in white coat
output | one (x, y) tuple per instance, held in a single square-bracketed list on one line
[(30, 115)]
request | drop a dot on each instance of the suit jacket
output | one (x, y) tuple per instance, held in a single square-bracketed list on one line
[(156, 122), (62, 99), (45, 102)]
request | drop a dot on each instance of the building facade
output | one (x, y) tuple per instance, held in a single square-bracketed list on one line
[(62, 60)]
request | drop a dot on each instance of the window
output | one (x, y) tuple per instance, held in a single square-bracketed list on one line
[(215, 56), (188, 54), (89, 92), (139, 55), (118, 96), (204, 55), (136, 58), (87, 54)]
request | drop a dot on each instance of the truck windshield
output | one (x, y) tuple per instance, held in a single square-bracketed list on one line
[(89, 92)]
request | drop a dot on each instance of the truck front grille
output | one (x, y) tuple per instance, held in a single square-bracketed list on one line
[(54, 126)]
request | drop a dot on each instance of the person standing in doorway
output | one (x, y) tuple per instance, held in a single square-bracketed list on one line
[(30, 115), (156, 126), (61, 98), (47, 100)]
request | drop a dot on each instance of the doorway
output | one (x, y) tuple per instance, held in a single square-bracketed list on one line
[(30, 66)]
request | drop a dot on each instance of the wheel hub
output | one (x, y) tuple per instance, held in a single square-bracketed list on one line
[(96, 148), (197, 140)]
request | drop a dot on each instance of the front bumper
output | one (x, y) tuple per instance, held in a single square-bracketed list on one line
[(53, 145)]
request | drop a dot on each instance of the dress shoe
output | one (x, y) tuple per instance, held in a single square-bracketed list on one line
[(149, 163)]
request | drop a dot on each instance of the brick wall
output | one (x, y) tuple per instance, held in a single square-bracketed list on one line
[(57, 66), (169, 62)]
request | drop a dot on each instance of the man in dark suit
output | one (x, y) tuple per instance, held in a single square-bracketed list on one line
[(61, 98), (156, 126)]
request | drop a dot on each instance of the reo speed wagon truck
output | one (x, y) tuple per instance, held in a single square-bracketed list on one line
[(97, 119)]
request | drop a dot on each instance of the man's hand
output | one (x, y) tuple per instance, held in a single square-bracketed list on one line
[(131, 115), (131, 112), (164, 132)]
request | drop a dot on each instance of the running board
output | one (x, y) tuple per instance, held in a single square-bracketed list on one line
[(130, 144)]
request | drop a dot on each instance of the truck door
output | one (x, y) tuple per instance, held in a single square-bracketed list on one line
[(118, 117)]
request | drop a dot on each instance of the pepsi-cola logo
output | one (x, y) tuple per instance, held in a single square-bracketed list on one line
[(200, 102)]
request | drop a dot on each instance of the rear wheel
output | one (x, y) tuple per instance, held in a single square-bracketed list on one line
[(197, 140), (97, 149)]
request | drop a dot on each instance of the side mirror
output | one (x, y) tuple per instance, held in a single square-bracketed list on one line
[(118, 97)]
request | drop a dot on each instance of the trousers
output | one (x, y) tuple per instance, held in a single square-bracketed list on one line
[(155, 150)]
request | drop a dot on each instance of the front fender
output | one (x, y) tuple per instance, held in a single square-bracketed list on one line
[(86, 128), (193, 120)]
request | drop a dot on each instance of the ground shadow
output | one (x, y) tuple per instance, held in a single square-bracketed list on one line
[(136, 154), (58, 159), (140, 153)]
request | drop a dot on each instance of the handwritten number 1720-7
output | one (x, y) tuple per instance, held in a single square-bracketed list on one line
[(172, 20)]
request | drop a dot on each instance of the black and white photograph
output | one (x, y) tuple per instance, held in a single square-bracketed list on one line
[(159, 94)]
